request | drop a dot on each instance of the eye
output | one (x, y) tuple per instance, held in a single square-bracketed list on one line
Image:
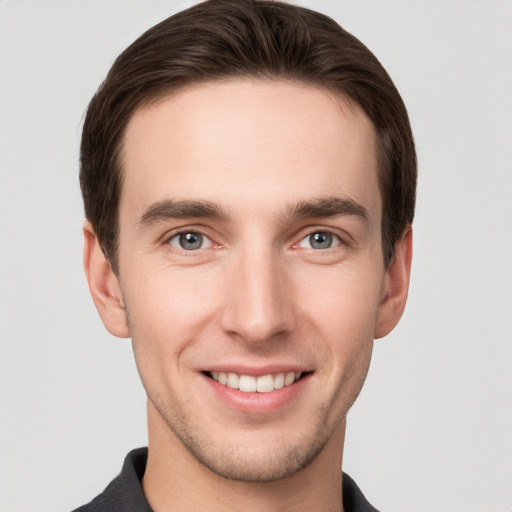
[(190, 241), (320, 240)]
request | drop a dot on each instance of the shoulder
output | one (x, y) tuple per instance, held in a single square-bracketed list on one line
[(124, 493), (353, 499)]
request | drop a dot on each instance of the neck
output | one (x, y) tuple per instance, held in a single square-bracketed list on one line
[(175, 480)]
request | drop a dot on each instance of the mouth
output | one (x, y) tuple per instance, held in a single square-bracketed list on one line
[(256, 384)]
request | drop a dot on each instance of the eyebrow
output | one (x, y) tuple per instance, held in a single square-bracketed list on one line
[(168, 209), (174, 209), (329, 207)]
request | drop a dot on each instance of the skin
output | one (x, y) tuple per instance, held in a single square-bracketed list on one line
[(258, 295)]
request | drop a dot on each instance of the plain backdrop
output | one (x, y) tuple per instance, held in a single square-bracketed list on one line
[(432, 429)]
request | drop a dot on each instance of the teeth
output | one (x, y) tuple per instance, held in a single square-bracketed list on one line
[(289, 379), (279, 381), (247, 383), (250, 384), (233, 380), (265, 384)]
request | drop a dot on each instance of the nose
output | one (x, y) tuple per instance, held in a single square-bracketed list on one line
[(258, 298)]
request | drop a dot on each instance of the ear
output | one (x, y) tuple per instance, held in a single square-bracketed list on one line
[(396, 286), (104, 285)]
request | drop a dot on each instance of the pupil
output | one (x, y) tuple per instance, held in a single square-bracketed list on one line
[(190, 241), (320, 240)]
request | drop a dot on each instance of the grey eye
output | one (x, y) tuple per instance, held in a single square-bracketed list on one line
[(320, 240), (190, 241)]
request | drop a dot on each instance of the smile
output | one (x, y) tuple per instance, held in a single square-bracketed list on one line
[(252, 384)]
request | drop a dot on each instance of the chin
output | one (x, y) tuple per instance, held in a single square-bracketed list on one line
[(255, 465), (250, 456)]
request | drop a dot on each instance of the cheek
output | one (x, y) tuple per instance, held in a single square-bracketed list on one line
[(167, 313), (168, 310), (343, 292), (342, 305)]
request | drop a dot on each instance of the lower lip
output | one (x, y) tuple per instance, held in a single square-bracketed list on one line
[(257, 403)]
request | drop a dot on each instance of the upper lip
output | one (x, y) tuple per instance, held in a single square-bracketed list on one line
[(256, 371)]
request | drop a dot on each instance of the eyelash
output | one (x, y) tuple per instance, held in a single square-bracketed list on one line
[(336, 239), (177, 235)]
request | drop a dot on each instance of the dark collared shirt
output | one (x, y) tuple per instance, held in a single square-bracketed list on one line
[(124, 493)]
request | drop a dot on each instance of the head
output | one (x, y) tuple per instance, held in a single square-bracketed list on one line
[(248, 172), (225, 39)]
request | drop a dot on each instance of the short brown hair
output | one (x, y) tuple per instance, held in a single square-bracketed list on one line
[(220, 39)]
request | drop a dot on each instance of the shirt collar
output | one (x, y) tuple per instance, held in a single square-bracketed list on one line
[(124, 493)]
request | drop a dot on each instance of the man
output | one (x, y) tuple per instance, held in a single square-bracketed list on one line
[(248, 174)]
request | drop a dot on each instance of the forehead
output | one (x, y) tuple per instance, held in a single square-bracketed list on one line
[(249, 144)]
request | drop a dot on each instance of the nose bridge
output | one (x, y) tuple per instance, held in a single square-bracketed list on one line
[(258, 305)]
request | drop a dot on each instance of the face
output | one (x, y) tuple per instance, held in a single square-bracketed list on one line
[(250, 270)]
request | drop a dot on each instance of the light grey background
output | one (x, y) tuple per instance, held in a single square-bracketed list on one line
[(432, 430)]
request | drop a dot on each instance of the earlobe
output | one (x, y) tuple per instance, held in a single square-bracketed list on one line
[(396, 286), (104, 285)]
